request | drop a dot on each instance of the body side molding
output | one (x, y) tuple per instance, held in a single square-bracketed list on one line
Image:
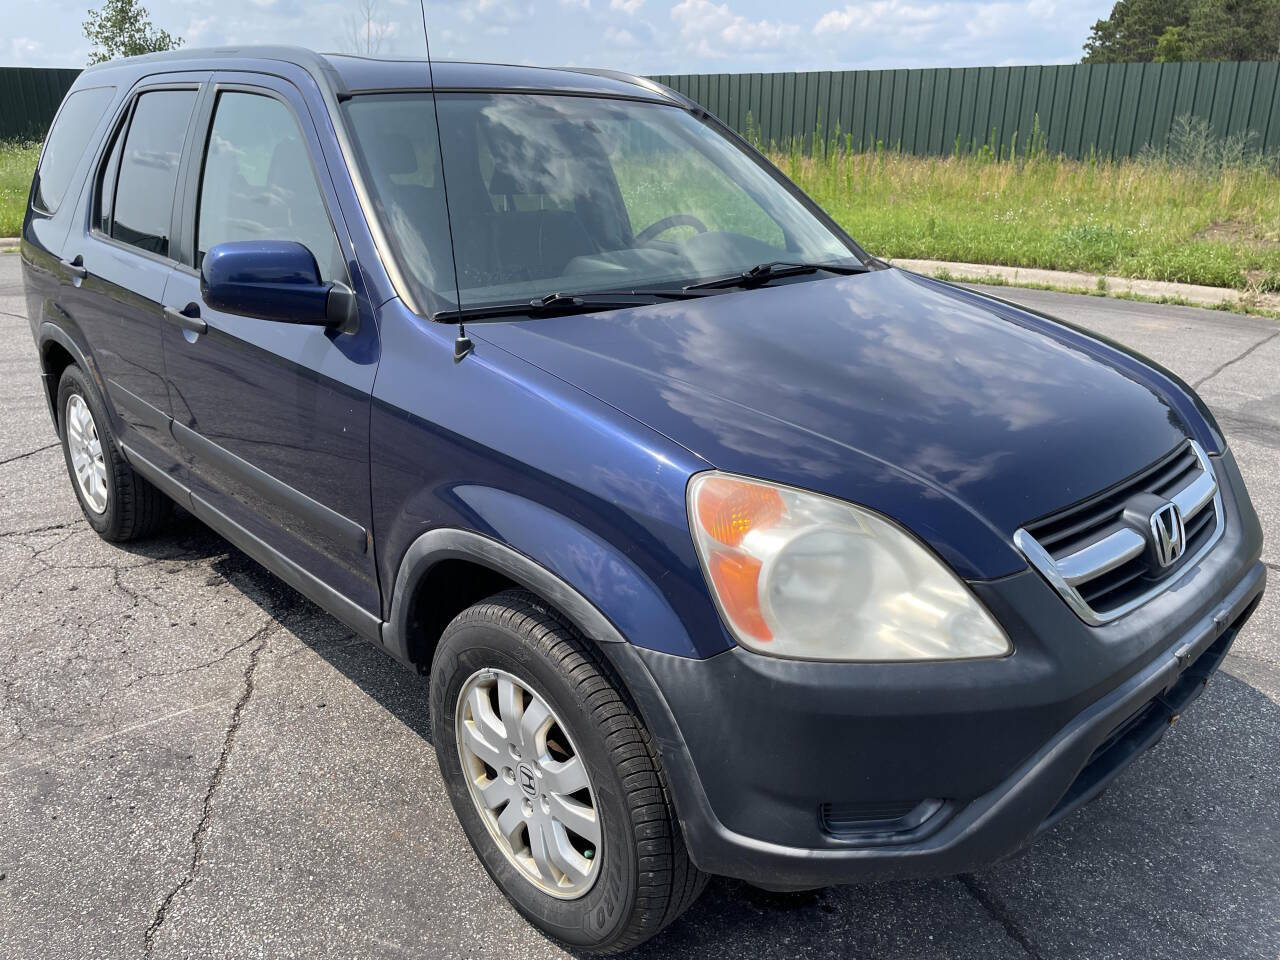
[(329, 522), (149, 414)]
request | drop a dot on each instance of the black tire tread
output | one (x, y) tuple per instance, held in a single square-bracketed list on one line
[(669, 882), (140, 508)]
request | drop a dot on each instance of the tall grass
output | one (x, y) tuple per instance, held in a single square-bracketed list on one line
[(1204, 210), (17, 164), (1144, 218)]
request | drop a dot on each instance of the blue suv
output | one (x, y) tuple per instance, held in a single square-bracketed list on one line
[(729, 549)]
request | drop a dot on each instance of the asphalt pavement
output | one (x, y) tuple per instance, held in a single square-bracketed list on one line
[(197, 762)]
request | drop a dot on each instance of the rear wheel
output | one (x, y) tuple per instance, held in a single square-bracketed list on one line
[(118, 503), (553, 778)]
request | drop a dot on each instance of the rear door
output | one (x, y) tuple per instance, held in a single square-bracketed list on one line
[(122, 261), (272, 418)]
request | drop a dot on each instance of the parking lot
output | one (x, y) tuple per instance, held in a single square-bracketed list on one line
[(197, 762)]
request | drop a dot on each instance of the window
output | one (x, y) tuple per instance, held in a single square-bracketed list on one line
[(395, 138), (559, 194), (71, 131), (258, 183), (149, 169), (104, 189)]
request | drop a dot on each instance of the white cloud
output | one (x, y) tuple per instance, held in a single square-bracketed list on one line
[(580, 4), (629, 7), (619, 37), (712, 30), (876, 15), (493, 11), (24, 50)]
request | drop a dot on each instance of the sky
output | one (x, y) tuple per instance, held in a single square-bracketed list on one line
[(639, 36)]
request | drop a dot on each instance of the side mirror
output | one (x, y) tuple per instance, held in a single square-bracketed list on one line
[(275, 280)]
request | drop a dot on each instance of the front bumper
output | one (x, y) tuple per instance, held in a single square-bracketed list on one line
[(792, 774)]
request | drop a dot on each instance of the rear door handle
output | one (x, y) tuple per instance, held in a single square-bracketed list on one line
[(188, 318), (75, 267)]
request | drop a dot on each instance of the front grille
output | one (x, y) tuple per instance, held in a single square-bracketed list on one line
[(1102, 562)]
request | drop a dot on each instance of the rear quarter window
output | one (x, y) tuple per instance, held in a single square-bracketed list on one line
[(65, 145)]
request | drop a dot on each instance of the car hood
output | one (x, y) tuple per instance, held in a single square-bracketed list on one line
[(959, 416)]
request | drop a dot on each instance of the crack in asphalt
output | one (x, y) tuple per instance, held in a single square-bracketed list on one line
[(1000, 914), (226, 655), (52, 526), (205, 823), (1222, 366), (29, 453)]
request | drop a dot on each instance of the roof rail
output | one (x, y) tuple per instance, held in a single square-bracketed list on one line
[(652, 86), (314, 63)]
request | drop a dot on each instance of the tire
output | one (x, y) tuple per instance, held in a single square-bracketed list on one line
[(129, 507), (643, 876)]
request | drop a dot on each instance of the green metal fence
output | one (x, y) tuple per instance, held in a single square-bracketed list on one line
[(29, 97), (1117, 110)]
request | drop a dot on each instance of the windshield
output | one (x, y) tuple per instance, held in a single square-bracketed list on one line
[(558, 194)]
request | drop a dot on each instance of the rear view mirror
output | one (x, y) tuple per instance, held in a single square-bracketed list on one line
[(274, 280)]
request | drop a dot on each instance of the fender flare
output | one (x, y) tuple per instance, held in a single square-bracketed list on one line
[(51, 332), (451, 543)]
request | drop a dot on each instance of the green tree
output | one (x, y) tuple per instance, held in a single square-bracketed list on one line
[(1234, 30), (1172, 46), (1132, 32), (1140, 31), (122, 28)]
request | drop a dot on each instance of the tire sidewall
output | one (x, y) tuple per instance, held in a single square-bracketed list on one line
[(73, 381), (600, 915)]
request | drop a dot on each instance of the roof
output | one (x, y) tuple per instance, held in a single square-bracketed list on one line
[(344, 74)]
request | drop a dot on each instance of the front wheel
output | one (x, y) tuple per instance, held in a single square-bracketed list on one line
[(553, 778)]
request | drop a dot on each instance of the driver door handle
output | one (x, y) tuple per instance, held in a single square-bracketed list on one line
[(188, 318)]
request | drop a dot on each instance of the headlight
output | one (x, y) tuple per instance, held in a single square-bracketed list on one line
[(801, 575)]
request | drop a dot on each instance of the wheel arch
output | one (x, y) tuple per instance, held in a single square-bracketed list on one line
[(59, 350), (447, 569)]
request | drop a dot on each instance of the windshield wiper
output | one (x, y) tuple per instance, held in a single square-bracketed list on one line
[(764, 272), (553, 304)]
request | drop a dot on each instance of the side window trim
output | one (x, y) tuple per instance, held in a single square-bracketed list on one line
[(120, 132), (206, 111)]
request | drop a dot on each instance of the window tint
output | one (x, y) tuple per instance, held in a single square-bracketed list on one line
[(258, 183), (149, 169), (76, 122)]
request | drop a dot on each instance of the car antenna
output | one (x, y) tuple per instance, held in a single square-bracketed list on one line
[(462, 345)]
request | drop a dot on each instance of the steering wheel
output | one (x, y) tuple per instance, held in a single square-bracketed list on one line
[(669, 223)]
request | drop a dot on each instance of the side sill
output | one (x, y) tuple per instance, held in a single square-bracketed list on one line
[(365, 624)]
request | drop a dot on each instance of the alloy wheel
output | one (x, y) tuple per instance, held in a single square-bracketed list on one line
[(86, 454), (529, 783)]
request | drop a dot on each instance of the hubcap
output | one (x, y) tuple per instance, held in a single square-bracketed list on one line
[(86, 454), (528, 783)]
